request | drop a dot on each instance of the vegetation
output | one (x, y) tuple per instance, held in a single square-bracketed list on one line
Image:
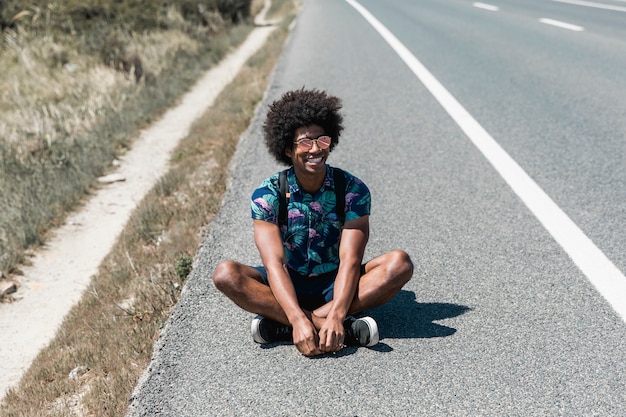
[(79, 77), (106, 341)]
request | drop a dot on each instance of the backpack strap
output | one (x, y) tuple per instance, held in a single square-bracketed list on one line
[(339, 177), (283, 197)]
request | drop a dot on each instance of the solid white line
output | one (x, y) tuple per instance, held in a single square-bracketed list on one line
[(600, 271), (486, 6), (594, 5), (562, 25)]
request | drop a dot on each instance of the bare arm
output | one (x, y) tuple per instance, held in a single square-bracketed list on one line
[(354, 239), (269, 243)]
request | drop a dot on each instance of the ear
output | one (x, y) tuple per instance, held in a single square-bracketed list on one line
[(289, 152)]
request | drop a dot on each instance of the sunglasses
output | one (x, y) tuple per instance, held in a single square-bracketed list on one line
[(306, 144)]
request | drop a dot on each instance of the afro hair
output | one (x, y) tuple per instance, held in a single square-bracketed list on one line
[(300, 108)]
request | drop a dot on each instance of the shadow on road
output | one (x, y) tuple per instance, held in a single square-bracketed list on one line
[(404, 318)]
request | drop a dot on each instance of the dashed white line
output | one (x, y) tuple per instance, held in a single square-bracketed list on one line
[(562, 25), (599, 270), (485, 6), (594, 5)]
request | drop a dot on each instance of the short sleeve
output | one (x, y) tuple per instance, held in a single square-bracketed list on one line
[(264, 202), (358, 199)]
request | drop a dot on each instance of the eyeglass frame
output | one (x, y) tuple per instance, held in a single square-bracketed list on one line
[(299, 142)]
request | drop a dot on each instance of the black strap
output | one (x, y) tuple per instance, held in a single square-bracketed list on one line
[(339, 177), (340, 193), (283, 190)]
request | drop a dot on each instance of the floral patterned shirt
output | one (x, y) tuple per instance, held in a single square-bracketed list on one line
[(313, 230)]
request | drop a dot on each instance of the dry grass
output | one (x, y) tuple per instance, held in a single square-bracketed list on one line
[(51, 90), (106, 341), (70, 101)]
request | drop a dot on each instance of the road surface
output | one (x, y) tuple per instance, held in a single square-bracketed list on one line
[(492, 136)]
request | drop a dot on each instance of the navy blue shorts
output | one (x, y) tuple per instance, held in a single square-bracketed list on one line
[(312, 292)]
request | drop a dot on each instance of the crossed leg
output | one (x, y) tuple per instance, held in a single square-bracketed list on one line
[(384, 276)]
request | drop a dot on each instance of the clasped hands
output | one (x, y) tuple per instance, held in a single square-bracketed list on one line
[(311, 342)]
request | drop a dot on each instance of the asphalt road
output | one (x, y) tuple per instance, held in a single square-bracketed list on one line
[(498, 319)]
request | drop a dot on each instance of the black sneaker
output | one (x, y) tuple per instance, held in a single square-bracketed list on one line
[(268, 331), (361, 332)]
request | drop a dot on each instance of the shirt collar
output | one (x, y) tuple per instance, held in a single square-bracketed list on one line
[(294, 186)]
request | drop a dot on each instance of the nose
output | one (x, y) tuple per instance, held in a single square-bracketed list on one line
[(315, 146)]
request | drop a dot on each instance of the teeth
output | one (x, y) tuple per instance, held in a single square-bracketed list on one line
[(315, 160)]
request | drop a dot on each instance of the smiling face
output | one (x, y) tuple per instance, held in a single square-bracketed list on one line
[(309, 165)]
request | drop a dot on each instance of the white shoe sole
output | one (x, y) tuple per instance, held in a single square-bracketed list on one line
[(256, 331), (373, 327)]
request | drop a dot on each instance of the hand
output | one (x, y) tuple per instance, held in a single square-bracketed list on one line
[(305, 338), (331, 335)]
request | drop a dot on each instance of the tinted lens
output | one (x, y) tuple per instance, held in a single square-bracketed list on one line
[(323, 142), (305, 144)]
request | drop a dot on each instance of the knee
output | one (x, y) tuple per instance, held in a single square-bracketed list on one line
[(401, 266), (225, 275)]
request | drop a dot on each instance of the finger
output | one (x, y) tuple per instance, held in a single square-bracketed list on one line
[(306, 350), (315, 352), (324, 340), (331, 342), (338, 346), (338, 342), (312, 346), (311, 351)]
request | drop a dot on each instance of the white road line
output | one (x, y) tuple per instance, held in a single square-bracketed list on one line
[(562, 25), (594, 5), (601, 272), (486, 6)]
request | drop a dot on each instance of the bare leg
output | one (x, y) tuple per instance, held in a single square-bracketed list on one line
[(384, 277), (244, 285)]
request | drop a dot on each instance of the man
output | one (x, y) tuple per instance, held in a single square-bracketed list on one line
[(313, 278)]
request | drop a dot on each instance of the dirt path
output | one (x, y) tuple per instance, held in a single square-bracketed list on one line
[(61, 272)]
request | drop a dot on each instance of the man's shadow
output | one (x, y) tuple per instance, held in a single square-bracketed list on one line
[(404, 318)]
